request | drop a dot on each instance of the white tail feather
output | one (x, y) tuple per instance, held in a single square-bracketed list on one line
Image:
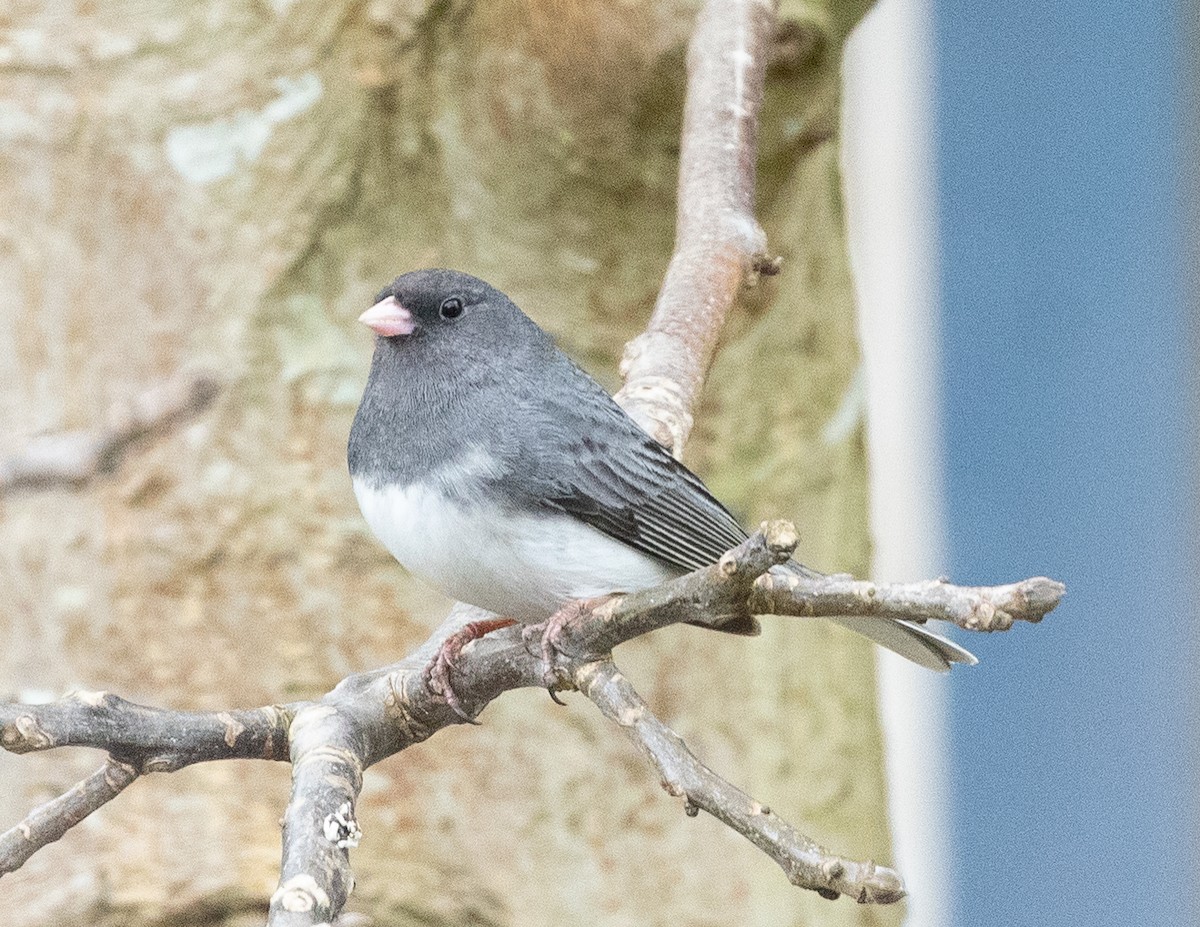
[(912, 641)]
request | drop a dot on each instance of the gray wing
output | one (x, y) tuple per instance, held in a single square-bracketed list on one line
[(595, 463), (600, 467)]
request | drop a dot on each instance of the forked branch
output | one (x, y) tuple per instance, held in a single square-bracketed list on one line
[(371, 716)]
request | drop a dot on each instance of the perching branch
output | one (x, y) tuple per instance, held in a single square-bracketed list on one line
[(719, 245), (371, 716), (72, 458)]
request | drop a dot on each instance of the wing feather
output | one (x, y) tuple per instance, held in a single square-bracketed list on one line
[(594, 462), (622, 482)]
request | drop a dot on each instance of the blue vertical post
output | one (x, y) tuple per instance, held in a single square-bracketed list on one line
[(1068, 407)]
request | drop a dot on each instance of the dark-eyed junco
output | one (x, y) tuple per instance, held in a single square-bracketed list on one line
[(500, 473)]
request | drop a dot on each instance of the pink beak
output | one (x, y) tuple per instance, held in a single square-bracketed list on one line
[(388, 318)]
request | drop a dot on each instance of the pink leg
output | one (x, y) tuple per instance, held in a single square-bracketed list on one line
[(437, 673), (548, 632)]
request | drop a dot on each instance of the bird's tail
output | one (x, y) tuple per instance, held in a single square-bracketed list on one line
[(912, 641)]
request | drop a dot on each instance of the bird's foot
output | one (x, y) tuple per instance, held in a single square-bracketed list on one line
[(545, 636), (437, 673)]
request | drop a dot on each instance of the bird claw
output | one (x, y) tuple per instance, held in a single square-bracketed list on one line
[(540, 640), (545, 635), (437, 674)]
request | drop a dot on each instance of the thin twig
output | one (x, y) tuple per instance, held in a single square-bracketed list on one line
[(975, 608), (47, 823), (719, 245), (71, 459), (806, 864)]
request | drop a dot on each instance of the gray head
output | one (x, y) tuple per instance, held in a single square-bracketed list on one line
[(452, 356), (445, 313)]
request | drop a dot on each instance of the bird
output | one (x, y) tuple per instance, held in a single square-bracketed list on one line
[(495, 469)]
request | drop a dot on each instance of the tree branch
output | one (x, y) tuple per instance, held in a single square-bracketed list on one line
[(719, 245), (152, 739), (974, 608), (48, 822), (139, 740), (73, 458), (806, 864), (371, 716)]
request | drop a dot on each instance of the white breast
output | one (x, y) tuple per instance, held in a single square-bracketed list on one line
[(522, 567)]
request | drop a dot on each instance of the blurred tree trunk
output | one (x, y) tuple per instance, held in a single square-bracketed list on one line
[(226, 184)]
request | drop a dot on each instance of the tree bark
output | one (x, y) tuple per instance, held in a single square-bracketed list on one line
[(223, 187)]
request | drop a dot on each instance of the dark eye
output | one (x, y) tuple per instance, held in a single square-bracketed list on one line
[(452, 308)]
